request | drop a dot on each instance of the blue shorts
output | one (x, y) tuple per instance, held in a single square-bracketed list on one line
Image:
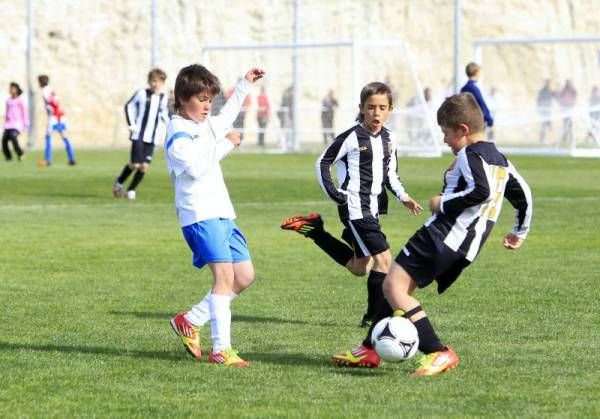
[(60, 127), (216, 240)]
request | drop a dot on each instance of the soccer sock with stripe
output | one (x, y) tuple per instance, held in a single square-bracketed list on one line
[(220, 322), (199, 315), (124, 174), (137, 178), (337, 250), (428, 340)]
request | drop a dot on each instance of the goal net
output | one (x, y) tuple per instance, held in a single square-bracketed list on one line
[(312, 91), (543, 93)]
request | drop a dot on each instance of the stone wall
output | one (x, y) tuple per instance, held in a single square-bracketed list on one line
[(97, 52)]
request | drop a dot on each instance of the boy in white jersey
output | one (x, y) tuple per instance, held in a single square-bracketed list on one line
[(463, 216), (195, 144)]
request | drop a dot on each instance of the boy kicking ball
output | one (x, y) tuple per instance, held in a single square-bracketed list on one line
[(463, 217), (195, 144)]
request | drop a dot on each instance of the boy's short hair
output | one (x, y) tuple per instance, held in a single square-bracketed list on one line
[(459, 109), (374, 88), (157, 73), (43, 80), (192, 80), (472, 69)]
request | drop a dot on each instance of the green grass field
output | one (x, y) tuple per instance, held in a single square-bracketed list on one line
[(88, 284)]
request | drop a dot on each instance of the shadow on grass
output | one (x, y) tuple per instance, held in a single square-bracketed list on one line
[(235, 317), (96, 350)]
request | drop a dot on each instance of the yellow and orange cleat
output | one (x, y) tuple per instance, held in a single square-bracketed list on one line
[(189, 334), (437, 363), (360, 356), (227, 357)]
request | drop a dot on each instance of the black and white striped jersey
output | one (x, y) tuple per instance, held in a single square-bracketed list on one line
[(474, 188), (365, 163), (142, 112)]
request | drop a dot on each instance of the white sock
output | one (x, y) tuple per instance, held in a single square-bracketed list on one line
[(199, 315), (220, 322)]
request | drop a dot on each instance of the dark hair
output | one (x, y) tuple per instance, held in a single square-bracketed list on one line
[(373, 88), (16, 86), (44, 80), (192, 80), (157, 73), (461, 109), (472, 69)]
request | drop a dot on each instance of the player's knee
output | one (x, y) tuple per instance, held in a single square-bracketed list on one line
[(136, 166), (144, 167), (359, 267), (382, 261)]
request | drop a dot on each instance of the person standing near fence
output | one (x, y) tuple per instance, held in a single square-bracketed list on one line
[(16, 119), (262, 115), (544, 105), (567, 99), (328, 106)]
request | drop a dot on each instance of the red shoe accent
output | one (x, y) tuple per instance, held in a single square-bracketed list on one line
[(303, 224), (360, 356), (188, 334)]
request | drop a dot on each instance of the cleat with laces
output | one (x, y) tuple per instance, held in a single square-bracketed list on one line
[(436, 363), (227, 357), (358, 357), (189, 334), (303, 224)]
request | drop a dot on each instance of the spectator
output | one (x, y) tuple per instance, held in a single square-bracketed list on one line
[(262, 115), (567, 99), (286, 115), (473, 71), (328, 106), (544, 106)]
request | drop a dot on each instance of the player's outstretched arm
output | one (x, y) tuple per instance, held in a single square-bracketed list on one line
[(512, 242)]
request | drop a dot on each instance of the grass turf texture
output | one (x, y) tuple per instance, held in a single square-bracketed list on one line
[(88, 284)]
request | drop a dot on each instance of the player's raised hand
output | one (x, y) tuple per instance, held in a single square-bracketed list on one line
[(234, 137), (512, 242), (414, 207), (254, 74)]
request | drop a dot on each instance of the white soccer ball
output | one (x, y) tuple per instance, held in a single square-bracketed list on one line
[(395, 339)]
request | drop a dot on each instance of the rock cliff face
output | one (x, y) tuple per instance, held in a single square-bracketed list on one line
[(97, 52)]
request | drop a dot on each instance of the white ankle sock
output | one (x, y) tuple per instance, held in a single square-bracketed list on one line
[(220, 322), (199, 315)]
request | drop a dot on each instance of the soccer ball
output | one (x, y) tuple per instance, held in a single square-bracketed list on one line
[(395, 339)]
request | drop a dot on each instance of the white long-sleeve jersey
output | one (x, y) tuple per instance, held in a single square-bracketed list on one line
[(193, 152)]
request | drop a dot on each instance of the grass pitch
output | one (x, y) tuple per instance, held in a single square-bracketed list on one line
[(88, 284)]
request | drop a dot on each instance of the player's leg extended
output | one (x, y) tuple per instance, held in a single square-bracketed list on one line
[(48, 147), (398, 288), (311, 226), (68, 147)]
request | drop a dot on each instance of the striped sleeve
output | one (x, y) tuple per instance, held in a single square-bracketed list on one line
[(392, 179), (519, 195), (332, 154), (477, 190), (132, 108)]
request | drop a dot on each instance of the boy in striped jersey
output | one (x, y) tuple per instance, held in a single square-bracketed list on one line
[(365, 156), (196, 143), (143, 112), (463, 216)]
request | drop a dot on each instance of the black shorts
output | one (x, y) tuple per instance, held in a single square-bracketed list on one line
[(365, 236), (141, 152), (427, 258)]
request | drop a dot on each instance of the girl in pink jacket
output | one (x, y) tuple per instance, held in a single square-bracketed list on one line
[(16, 119)]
